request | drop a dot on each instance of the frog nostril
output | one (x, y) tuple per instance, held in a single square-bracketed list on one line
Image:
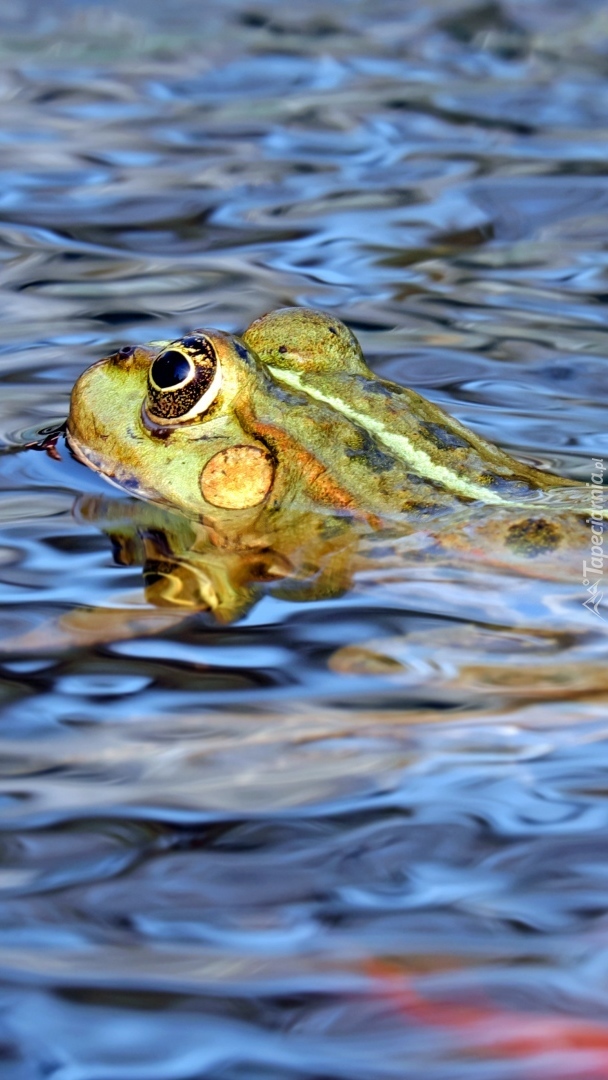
[(170, 369), (120, 356)]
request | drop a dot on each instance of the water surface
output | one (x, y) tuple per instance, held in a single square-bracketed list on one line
[(358, 838)]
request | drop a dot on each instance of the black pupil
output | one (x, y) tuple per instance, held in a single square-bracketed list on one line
[(169, 369)]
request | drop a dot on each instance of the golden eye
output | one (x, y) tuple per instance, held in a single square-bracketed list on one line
[(183, 380)]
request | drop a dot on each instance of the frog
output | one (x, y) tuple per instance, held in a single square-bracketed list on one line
[(288, 458)]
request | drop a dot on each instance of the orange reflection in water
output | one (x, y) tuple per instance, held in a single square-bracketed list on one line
[(481, 1028)]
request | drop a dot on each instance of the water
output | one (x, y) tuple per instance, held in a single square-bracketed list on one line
[(358, 838)]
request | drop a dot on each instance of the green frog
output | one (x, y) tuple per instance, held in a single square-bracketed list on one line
[(280, 451)]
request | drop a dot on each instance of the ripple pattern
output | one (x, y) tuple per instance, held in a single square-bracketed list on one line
[(358, 839)]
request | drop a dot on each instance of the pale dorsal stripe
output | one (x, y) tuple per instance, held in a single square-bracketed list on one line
[(418, 460)]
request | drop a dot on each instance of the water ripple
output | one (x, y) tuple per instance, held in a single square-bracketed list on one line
[(358, 838)]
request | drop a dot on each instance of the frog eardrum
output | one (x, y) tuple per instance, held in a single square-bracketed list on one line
[(183, 380)]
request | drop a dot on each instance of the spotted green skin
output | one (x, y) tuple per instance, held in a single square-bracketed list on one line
[(296, 384)]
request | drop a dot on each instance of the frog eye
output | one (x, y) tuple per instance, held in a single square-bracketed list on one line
[(183, 380)]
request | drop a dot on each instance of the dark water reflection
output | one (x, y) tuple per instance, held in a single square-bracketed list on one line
[(360, 838)]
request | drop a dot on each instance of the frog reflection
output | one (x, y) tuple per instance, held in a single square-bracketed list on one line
[(189, 567)]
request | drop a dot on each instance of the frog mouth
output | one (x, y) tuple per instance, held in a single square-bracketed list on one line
[(97, 463), (84, 455)]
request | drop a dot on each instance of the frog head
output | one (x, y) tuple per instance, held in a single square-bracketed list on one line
[(208, 423)]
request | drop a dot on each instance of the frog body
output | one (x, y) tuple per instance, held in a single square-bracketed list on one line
[(299, 420), (283, 451)]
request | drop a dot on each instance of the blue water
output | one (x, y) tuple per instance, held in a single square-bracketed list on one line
[(302, 846)]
